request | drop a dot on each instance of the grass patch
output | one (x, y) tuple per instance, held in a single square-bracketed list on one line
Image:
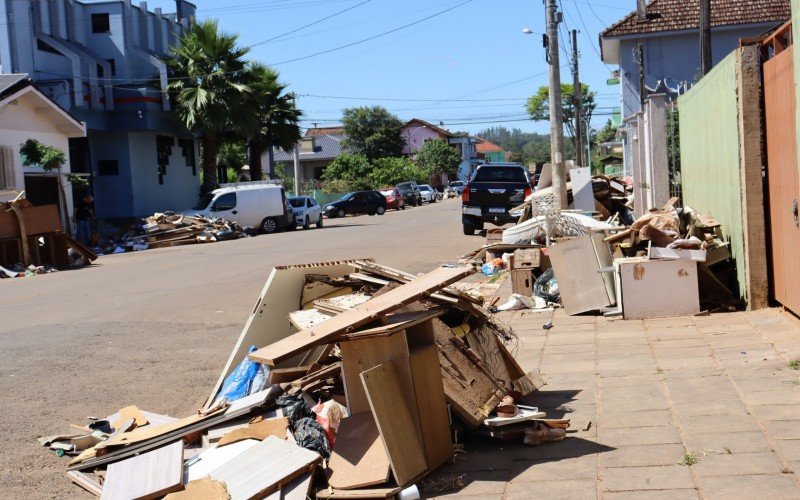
[(688, 460), (794, 364)]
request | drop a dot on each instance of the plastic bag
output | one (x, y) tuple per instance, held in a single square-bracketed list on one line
[(237, 385), (295, 407), (310, 435), (546, 287), (260, 381)]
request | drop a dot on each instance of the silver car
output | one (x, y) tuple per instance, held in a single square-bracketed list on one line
[(428, 193)]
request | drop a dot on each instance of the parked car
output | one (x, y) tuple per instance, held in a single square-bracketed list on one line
[(394, 201), (256, 204), (410, 192), (457, 186), (358, 202), (491, 193), (428, 193), (306, 211)]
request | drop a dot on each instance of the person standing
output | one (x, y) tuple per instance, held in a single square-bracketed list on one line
[(85, 219)]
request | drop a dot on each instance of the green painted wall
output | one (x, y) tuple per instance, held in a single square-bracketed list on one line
[(710, 166)]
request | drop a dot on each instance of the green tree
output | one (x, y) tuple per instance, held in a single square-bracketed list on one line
[(391, 171), (352, 169), (538, 105), (207, 90), (372, 132), (277, 118), (232, 155), (606, 134), (438, 157)]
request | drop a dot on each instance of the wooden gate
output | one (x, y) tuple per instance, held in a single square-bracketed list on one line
[(783, 179)]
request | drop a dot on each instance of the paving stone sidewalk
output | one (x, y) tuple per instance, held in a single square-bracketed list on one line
[(694, 407)]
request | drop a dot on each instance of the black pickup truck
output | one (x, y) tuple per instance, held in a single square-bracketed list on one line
[(491, 193)]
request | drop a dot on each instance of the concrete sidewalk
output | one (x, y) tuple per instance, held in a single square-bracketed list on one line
[(695, 407)]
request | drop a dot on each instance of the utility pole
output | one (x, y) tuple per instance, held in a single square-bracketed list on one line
[(296, 158), (705, 37), (556, 112), (577, 99)]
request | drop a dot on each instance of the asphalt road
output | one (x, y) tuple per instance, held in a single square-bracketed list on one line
[(155, 328)]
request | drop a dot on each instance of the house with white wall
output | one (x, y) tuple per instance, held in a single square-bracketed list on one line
[(26, 113), (102, 63)]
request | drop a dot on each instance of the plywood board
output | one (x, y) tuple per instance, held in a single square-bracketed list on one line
[(581, 286), (359, 458), (659, 288), (260, 430), (364, 354), (394, 421), (349, 320), (214, 458), (269, 319), (342, 302), (149, 475), (264, 468), (307, 318), (397, 322), (201, 489), (431, 405), (582, 192)]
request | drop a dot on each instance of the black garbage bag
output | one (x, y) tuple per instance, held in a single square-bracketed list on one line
[(311, 435), (294, 407), (543, 287)]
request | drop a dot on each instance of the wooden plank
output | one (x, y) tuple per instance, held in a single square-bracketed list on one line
[(87, 482), (360, 315), (359, 458), (396, 322), (264, 468), (404, 277), (284, 375), (395, 423), (364, 493), (150, 437), (432, 409), (297, 489), (214, 458), (149, 475), (581, 286)]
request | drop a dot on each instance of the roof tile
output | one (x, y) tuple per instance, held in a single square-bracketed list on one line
[(675, 15)]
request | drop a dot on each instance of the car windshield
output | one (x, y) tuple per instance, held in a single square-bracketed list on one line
[(425, 188), (406, 185), (500, 174), (297, 202), (348, 196), (204, 202)]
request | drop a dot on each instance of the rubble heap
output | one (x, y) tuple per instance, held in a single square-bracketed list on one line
[(168, 230), (349, 380)]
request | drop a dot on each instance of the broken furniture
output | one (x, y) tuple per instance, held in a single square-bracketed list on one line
[(659, 288)]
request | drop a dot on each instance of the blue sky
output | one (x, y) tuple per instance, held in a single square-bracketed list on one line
[(470, 67)]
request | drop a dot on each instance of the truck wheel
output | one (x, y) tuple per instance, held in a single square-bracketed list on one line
[(469, 229), (380, 211), (479, 226), (269, 225)]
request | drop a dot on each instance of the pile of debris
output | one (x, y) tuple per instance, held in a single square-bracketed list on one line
[(33, 242), (670, 262), (364, 376), (168, 230)]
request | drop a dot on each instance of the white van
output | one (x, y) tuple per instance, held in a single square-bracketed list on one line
[(256, 204)]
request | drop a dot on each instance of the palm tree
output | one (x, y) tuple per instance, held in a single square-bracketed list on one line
[(277, 116), (208, 89)]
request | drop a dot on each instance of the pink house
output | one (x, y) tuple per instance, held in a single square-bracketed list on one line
[(417, 131)]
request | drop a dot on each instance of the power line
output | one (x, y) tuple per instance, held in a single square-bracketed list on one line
[(373, 37), (397, 99)]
